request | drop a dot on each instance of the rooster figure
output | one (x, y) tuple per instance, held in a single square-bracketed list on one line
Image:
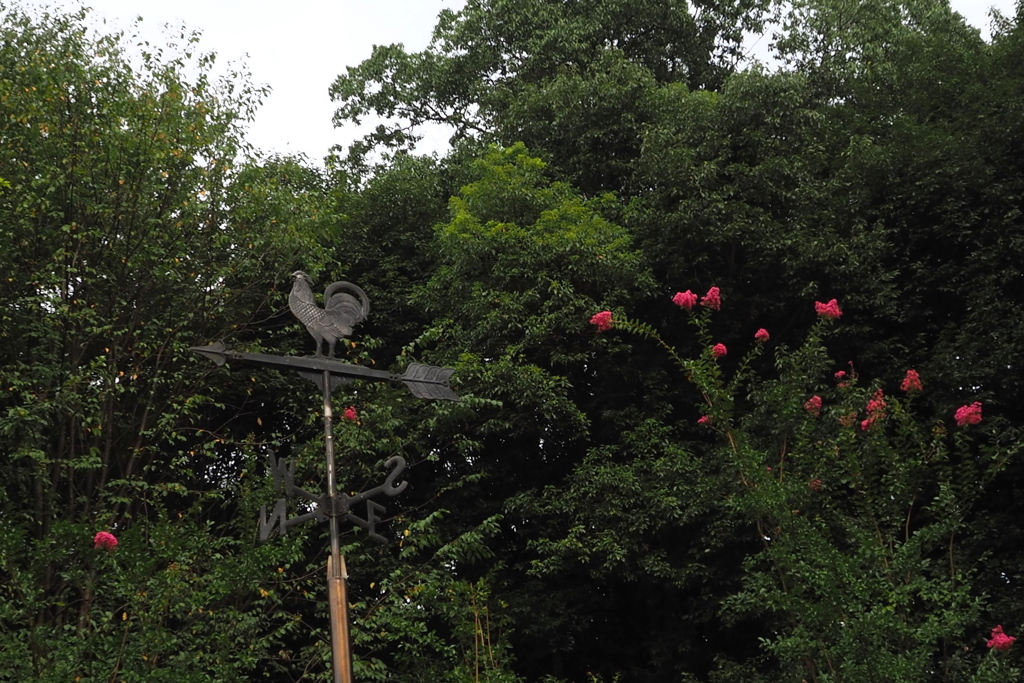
[(342, 311)]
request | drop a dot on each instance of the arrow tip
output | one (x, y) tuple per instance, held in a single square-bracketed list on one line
[(214, 352)]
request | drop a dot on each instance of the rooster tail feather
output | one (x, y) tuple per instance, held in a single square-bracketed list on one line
[(352, 309)]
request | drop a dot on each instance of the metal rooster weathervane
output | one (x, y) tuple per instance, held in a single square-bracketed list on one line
[(341, 311), (345, 306)]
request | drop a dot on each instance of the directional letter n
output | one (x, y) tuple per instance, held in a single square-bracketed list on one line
[(277, 518)]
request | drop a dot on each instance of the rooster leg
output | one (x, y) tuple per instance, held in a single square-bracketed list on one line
[(331, 341), (319, 342)]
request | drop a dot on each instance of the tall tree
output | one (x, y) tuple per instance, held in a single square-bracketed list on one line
[(506, 70), (120, 252)]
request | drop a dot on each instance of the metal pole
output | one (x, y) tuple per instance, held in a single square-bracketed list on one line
[(336, 575), (337, 598), (332, 485)]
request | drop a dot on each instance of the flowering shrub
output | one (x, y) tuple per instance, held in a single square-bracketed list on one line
[(685, 299), (829, 310), (602, 320), (813, 405), (1000, 641), (105, 540), (849, 520), (876, 410), (712, 299), (911, 383), (968, 415)]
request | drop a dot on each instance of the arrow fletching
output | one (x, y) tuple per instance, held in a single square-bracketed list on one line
[(429, 381)]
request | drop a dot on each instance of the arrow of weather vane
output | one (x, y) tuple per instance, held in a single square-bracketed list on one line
[(424, 381)]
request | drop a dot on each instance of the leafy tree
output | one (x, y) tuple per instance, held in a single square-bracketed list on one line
[(384, 241), (121, 252), (562, 77), (518, 263)]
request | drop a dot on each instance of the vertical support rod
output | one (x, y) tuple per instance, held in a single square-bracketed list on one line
[(336, 589), (332, 481), (337, 599)]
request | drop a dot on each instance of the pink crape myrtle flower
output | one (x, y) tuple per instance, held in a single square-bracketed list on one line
[(968, 415), (761, 336), (350, 414), (603, 320), (877, 403), (829, 310), (712, 299), (105, 540), (719, 350), (813, 405), (704, 419), (685, 299), (912, 382), (876, 410), (1000, 640)]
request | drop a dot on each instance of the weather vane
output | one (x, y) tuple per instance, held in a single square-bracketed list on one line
[(345, 306)]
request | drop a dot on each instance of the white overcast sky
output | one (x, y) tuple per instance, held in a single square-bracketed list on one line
[(298, 48)]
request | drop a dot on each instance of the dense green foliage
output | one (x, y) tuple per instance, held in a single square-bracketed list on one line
[(120, 251), (626, 504)]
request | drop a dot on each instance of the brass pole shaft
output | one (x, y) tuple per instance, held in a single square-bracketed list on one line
[(337, 594)]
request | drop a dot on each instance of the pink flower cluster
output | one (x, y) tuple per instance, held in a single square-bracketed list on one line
[(968, 415), (603, 320), (704, 419), (719, 350), (105, 540), (829, 310), (350, 414), (813, 405), (685, 299), (761, 336), (712, 299), (876, 410), (1000, 640), (912, 382)]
